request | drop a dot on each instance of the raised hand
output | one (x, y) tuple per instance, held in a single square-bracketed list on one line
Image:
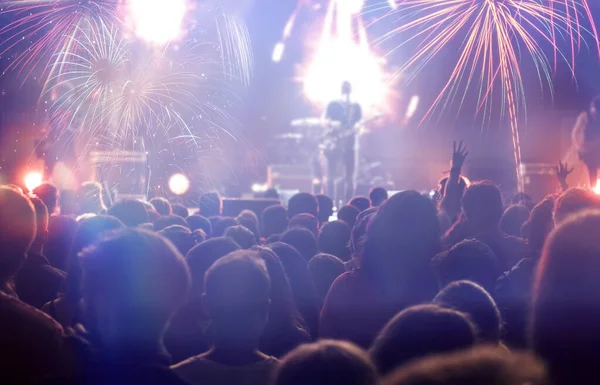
[(562, 172), (459, 154)]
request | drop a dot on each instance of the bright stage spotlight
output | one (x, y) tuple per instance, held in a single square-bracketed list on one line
[(157, 21), (179, 184), (597, 188), (278, 52), (33, 179)]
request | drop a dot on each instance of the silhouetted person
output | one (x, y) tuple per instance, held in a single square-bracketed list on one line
[(377, 196), (210, 205), (180, 236), (393, 271), (303, 203), (168, 220), (302, 240), (162, 206), (129, 211), (323, 270), (361, 203), (334, 239), (471, 260), (126, 318), (325, 208), (471, 299), (196, 222), (483, 365), (451, 189), (566, 301), (61, 231), (274, 220), (90, 198), (222, 224), (306, 221), (348, 214), (181, 210), (573, 201), (327, 362), (37, 282), (249, 220), (420, 331), (48, 193), (242, 236), (237, 292), (303, 288), (513, 219), (586, 139), (33, 344)]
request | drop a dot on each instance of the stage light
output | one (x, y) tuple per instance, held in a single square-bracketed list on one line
[(33, 179), (157, 21), (278, 52), (412, 107), (393, 4), (597, 188), (179, 184), (259, 187)]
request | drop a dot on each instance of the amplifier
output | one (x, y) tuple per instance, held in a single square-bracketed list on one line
[(290, 177)]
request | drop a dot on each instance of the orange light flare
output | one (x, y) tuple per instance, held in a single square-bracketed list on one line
[(343, 53), (597, 188), (33, 179)]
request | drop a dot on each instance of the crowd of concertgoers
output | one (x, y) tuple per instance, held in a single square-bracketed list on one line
[(466, 288)]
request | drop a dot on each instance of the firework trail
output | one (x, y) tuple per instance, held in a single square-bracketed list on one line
[(492, 35)]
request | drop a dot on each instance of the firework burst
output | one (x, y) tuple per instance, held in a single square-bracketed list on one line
[(493, 35)]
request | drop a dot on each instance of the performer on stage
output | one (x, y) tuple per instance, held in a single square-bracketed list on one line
[(339, 144), (586, 138)]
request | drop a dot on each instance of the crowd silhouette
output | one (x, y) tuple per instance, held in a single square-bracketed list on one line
[(466, 288)]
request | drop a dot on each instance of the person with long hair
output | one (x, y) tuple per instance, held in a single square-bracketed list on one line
[(586, 139)]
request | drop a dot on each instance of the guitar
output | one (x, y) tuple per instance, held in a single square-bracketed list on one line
[(334, 135)]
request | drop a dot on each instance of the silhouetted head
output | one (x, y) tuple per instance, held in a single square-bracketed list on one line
[(210, 205), (327, 362), (168, 220), (540, 224), (471, 260), (131, 212), (222, 224), (360, 230), (325, 207), (161, 206), (203, 255), (378, 195), (566, 300), (473, 300), (237, 298), (361, 203), (17, 230), (181, 210), (324, 269), (48, 193), (180, 236), (478, 366), (196, 222), (303, 203), (420, 331), (41, 218), (334, 239), (133, 282), (274, 220), (346, 88), (90, 198), (348, 214), (302, 240), (61, 231), (462, 185), (513, 219), (482, 205), (249, 220), (242, 236), (573, 201), (305, 221)]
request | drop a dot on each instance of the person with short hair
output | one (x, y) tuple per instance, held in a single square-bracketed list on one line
[(573, 201), (377, 196), (566, 301), (303, 203), (37, 282), (348, 214), (327, 362), (33, 343), (131, 212), (61, 231), (334, 239), (196, 222), (222, 224), (249, 220), (324, 270), (274, 220), (237, 299), (90, 198), (361, 203), (513, 219), (180, 236), (478, 366), (180, 210), (210, 205), (133, 283), (49, 194), (473, 300), (325, 208), (468, 260), (302, 240), (420, 331), (242, 236), (162, 206), (168, 220), (306, 221)]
